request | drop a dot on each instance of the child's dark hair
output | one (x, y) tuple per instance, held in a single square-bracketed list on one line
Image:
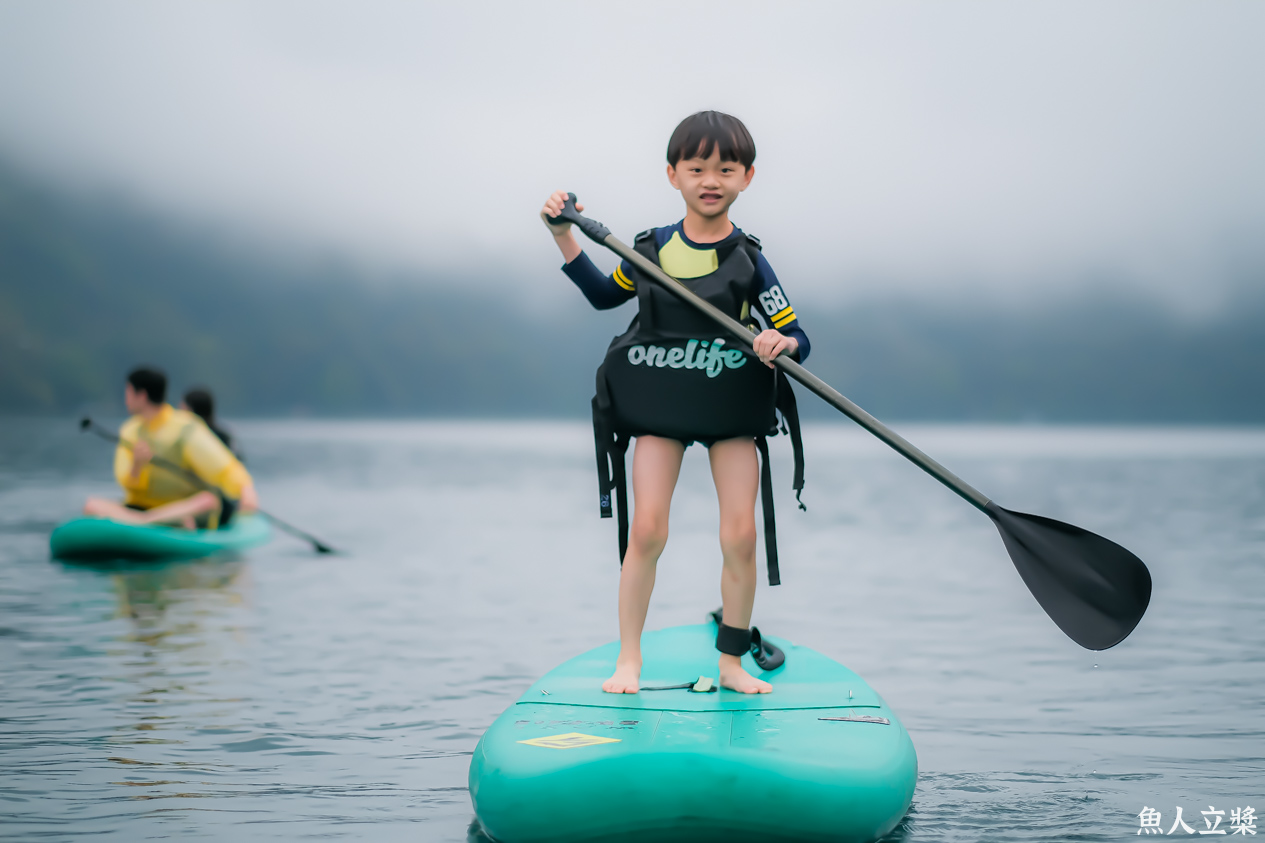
[(150, 381), (201, 404), (699, 134)]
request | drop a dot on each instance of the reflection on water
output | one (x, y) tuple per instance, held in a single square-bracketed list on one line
[(180, 630), (173, 611), (285, 695), (189, 589)]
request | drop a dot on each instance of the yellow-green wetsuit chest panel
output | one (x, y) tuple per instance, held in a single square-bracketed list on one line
[(680, 260)]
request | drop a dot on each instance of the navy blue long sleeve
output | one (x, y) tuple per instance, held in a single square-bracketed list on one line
[(602, 291)]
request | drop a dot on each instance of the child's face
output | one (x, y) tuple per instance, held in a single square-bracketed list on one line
[(709, 185)]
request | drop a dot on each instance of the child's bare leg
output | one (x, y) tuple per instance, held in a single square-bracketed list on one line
[(656, 466), (736, 473), (115, 511), (181, 512)]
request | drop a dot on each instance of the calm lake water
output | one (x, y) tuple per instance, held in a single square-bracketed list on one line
[(284, 695)]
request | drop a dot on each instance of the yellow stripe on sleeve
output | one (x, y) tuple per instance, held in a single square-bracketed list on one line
[(621, 279), (784, 318)]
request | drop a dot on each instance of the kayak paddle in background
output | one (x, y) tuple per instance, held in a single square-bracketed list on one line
[(319, 546), (1095, 590)]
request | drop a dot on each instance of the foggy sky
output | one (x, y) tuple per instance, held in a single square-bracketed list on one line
[(964, 148)]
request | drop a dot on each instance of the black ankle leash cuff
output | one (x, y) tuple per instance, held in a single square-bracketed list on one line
[(732, 640)]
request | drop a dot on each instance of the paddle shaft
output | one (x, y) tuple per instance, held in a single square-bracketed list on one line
[(167, 465), (599, 233)]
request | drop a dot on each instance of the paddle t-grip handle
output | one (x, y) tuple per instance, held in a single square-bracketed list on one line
[(592, 229)]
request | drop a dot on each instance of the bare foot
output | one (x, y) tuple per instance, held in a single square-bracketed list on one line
[(625, 678), (733, 677)]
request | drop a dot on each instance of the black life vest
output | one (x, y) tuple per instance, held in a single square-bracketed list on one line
[(674, 373)]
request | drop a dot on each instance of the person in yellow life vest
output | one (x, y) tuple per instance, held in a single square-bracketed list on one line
[(158, 433)]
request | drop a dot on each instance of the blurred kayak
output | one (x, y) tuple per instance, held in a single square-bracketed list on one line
[(102, 540)]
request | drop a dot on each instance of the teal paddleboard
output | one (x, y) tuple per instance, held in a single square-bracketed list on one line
[(102, 540), (822, 758)]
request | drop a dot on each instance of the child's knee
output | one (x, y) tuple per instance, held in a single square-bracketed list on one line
[(649, 534), (205, 501), (738, 539)]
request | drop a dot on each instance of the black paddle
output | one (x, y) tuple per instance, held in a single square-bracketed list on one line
[(88, 424), (1094, 589)]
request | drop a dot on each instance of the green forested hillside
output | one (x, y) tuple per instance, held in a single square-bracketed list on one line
[(1088, 361), (88, 291), (90, 288)]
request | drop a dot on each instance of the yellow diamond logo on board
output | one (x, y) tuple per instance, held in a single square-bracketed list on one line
[(570, 740)]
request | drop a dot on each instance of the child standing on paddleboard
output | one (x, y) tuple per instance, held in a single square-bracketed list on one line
[(670, 380)]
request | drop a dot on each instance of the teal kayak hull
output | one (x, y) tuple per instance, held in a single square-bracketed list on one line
[(822, 758), (102, 540)]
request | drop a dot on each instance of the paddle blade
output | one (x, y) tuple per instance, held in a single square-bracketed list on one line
[(1094, 589)]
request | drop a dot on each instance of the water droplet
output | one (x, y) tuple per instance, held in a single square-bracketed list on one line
[(1095, 666)]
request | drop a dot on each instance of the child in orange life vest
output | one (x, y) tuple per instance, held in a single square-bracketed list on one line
[(710, 161)]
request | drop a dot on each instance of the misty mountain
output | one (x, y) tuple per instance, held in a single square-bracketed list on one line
[(91, 287)]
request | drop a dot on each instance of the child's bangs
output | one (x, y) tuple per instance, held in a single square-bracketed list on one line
[(699, 135), (706, 144)]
